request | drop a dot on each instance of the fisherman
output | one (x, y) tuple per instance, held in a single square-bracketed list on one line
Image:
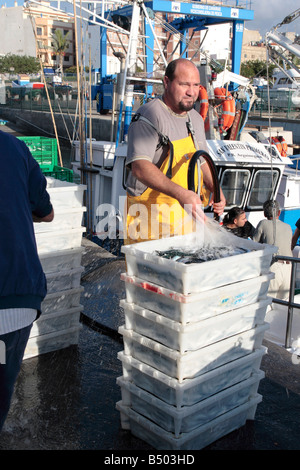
[(23, 198), (235, 221), (157, 194), (275, 232)]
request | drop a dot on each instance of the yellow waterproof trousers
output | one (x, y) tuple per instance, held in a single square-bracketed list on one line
[(154, 215)]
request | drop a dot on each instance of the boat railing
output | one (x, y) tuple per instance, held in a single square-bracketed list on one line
[(296, 163), (290, 302)]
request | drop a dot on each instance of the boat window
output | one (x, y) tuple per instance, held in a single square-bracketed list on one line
[(264, 183), (234, 184)]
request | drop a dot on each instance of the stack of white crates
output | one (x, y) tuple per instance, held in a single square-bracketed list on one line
[(192, 342), (60, 251)]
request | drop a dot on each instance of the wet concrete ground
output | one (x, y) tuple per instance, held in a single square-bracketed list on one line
[(65, 400)]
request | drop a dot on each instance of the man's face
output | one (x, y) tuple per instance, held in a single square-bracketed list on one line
[(182, 92)]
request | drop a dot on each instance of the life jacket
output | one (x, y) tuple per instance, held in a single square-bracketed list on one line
[(153, 214), (228, 108), (280, 144)]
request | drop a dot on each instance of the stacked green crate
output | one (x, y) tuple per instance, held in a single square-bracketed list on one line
[(60, 173), (44, 151)]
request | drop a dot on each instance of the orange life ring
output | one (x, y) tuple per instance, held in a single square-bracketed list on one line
[(280, 144), (228, 108), (203, 97)]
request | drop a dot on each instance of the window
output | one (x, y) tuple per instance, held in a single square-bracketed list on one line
[(264, 183), (234, 184), (39, 31)]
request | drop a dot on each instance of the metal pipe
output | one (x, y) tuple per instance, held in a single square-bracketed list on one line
[(290, 308)]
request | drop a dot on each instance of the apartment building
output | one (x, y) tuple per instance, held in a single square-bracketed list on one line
[(29, 30)]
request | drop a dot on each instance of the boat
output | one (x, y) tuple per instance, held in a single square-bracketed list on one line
[(288, 80), (285, 91)]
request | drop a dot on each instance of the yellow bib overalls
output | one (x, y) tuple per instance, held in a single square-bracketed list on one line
[(153, 214)]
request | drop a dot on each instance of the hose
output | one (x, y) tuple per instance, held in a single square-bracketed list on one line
[(191, 174)]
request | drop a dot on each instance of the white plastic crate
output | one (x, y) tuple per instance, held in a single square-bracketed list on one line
[(190, 391), (194, 335), (55, 322), (194, 307), (59, 240), (191, 363), (52, 341), (63, 219), (64, 280), (61, 260), (187, 418), (103, 152), (197, 439), (61, 300), (65, 195), (142, 262)]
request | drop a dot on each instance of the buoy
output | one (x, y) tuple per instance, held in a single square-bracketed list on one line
[(228, 108)]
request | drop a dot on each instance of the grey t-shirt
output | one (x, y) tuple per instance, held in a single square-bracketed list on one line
[(143, 138), (278, 234)]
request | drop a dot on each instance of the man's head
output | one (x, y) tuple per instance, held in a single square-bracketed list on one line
[(271, 209), (181, 83)]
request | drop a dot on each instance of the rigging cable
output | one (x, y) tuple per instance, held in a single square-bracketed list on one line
[(270, 144)]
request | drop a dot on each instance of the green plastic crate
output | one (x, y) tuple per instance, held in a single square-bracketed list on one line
[(43, 149), (60, 173)]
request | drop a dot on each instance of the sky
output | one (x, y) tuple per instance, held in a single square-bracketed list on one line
[(267, 14)]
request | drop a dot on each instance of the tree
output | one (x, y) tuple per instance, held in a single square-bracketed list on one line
[(256, 68), (61, 44), (19, 64)]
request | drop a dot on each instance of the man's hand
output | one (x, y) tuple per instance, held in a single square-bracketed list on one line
[(192, 204), (218, 207)]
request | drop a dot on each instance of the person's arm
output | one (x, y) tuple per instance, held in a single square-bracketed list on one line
[(154, 178), (46, 218), (295, 238), (41, 207)]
